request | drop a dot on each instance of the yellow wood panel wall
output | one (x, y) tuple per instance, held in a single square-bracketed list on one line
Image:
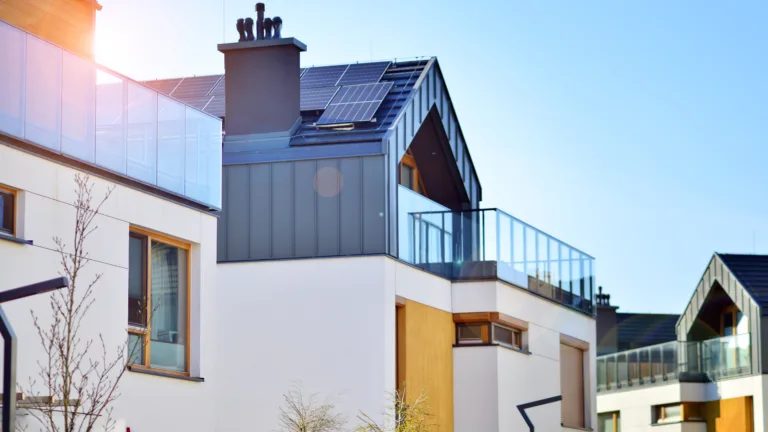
[(729, 415), (67, 23), (425, 358)]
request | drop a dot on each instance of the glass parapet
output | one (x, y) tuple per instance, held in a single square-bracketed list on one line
[(72, 106), (676, 360), (489, 243)]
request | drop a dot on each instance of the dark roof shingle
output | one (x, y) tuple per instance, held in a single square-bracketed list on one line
[(752, 273), (636, 330)]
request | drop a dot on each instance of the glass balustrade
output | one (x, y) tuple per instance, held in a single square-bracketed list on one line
[(489, 243), (683, 361), (54, 99)]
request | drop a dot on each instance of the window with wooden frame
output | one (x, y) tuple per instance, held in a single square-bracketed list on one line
[(609, 422), (486, 328), (7, 211), (409, 174), (733, 322), (672, 413), (158, 302)]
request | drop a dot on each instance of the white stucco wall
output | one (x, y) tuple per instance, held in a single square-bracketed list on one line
[(148, 403), (327, 325), (525, 378)]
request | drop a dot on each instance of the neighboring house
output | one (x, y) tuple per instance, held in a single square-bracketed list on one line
[(353, 257), (707, 378)]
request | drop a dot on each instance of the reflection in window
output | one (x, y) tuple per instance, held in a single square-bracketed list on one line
[(12, 47), (7, 212), (43, 94), (609, 422), (142, 134), (158, 303), (110, 122), (78, 108)]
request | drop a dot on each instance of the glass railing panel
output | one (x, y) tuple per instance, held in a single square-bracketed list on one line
[(110, 122), (669, 360), (727, 356), (415, 213), (601, 374), (43, 94), (67, 104), (171, 144), (12, 49), (633, 366), (610, 365), (203, 156), (78, 102), (645, 365), (141, 134), (622, 369)]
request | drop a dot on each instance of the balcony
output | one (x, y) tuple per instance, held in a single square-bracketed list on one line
[(58, 101), (490, 244), (703, 361)]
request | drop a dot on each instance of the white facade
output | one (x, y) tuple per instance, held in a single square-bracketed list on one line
[(518, 378), (635, 405), (46, 191), (330, 326)]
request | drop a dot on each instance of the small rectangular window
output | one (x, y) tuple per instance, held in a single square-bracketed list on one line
[(7, 211), (469, 334), (609, 422), (506, 336), (667, 414)]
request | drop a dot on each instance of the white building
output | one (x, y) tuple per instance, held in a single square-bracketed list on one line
[(708, 378), (337, 242)]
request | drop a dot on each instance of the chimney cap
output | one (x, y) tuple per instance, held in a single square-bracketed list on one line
[(260, 7), (262, 43)]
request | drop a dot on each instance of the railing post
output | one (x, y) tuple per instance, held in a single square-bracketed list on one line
[(498, 238)]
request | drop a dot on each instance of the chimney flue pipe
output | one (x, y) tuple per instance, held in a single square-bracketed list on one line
[(268, 28), (277, 25), (260, 20)]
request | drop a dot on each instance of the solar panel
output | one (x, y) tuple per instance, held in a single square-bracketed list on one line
[(198, 102), (219, 89), (364, 73), (355, 103), (164, 86), (317, 98), (216, 106), (326, 76), (195, 86), (301, 71)]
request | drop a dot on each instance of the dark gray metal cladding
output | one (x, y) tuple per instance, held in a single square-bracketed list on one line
[(260, 20), (277, 26), (268, 28)]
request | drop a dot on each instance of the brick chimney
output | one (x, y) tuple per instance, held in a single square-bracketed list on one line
[(606, 324)]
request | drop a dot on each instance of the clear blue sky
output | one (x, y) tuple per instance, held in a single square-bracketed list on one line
[(635, 131)]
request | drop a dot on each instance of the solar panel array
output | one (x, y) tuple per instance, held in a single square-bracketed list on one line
[(363, 73), (317, 98), (355, 103), (326, 76), (348, 93)]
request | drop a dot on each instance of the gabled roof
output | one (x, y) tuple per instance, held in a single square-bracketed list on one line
[(752, 272), (636, 330), (743, 278)]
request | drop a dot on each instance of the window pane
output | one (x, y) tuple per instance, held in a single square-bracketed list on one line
[(135, 349), (170, 145), (142, 133), (12, 47), (6, 212), (472, 333), (137, 280), (406, 176), (110, 122), (79, 108), (43, 99), (169, 305), (504, 335), (672, 413), (605, 422)]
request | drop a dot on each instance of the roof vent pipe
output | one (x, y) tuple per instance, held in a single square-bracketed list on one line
[(268, 28), (260, 20), (241, 29), (277, 25), (249, 29)]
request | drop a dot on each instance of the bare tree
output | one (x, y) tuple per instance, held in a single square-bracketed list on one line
[(77, 380), (304, 414), (401, 416)]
